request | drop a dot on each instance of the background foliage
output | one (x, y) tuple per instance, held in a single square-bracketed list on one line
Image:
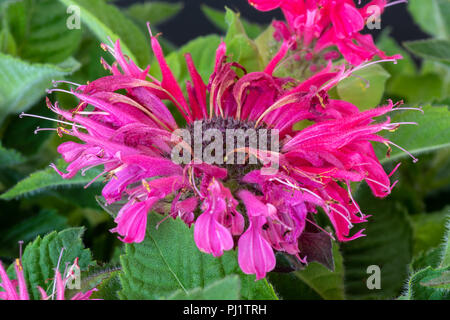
[(407, 235)]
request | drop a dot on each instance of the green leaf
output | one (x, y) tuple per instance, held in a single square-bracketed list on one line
[(224, 289), (444, 10), (154, 12), (422, 285), (406, 83), (289, 287), (45, 221), (9, 157), (432, 132), (434, 49), (106, 20), (418, 88), (108, 288), (47, 178), (445, 259), (7, 43), (403, 66), (438, 257), (387, 245), (438, 281), (433, 282), (168, 260), (429, 228), (22, 83), (328, 284), (217, 17), (364, 88), (442, 69), (432, 258), (432, 16), (40, 258), (267, 46), (40, 30), (94, 277), (17, 134), (240, 47), (388, 44), (112, 209)]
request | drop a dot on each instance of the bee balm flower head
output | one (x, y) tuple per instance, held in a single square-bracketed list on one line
[(317, 25), (248, 205)]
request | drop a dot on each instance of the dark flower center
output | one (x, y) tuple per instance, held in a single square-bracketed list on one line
[(239, 141)]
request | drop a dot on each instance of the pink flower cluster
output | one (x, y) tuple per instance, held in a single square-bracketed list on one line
[(315, 25), (10, 287), (129, 134)]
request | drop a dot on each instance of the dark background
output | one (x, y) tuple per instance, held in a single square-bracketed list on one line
[(191, 22)]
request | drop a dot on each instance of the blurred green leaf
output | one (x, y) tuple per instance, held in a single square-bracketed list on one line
[(240, 47), (106, 20), (432, 16), (328, 284), (9, 157), (18, 134), (112, 209), (403, 66), (48, 178), (40, 30), (91, 67), (168, 260), (223, 289), (364, 88), (26, 230), (154, 12), (7, 43), (267, 46), (41, 257), (434, 49), (217, 17), (387, 244), (22, 83), (289, 287), (429, 228), (431, 84), (416, 89), (442, 69), (432, 132)]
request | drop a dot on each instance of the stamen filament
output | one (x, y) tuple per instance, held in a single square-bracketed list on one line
[(55, 83), (38, 129), (395, 2), (388, 188), (408, 108), (57, 270), (404, 150), (50, 119)]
